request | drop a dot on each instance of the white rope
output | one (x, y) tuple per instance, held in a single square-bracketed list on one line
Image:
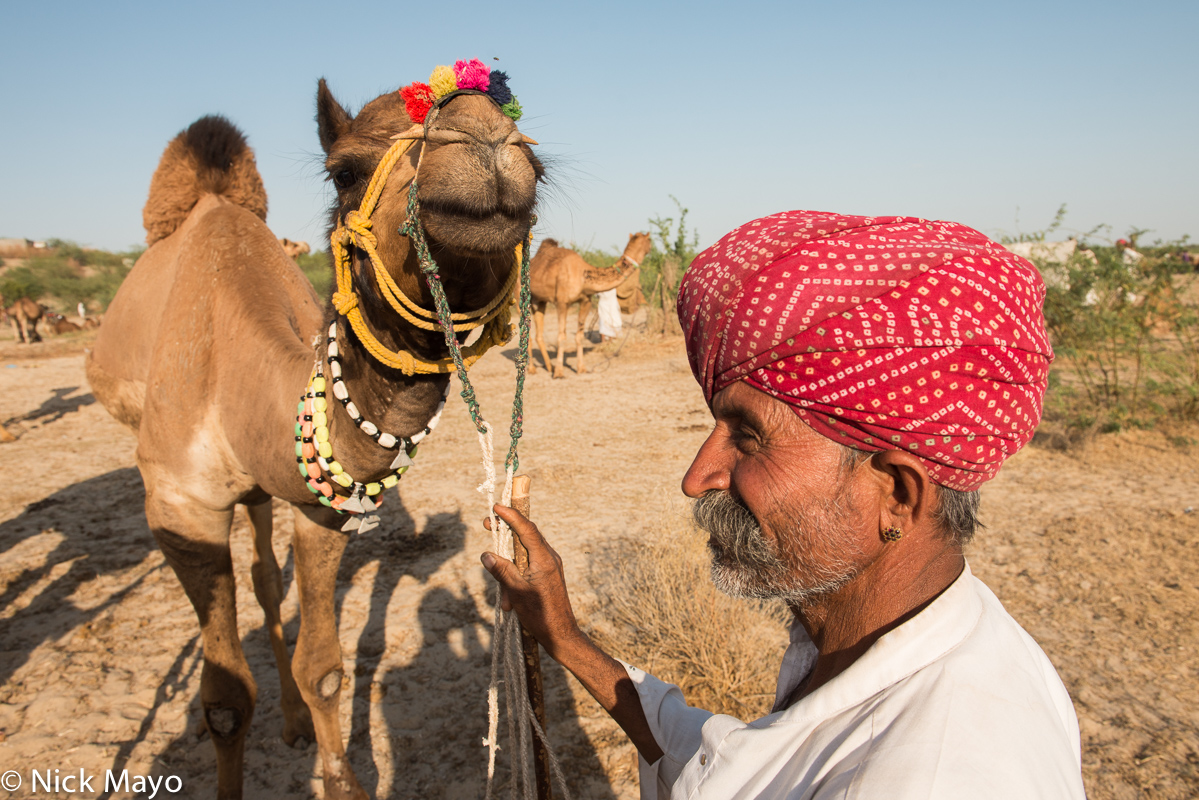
[(506, 653)]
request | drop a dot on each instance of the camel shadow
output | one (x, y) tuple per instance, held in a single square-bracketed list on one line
[(417, 725), (92, 528), (430, 714), (55, 407)]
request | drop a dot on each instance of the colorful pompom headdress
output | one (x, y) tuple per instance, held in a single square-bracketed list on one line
[(469, 76)]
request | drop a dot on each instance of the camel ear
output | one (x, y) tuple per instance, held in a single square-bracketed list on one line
[(332, 121)]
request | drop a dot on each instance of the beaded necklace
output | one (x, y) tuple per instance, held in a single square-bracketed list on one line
[(314, 452)]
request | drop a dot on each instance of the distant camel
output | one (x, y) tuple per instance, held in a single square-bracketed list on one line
[(24, 316), (629, 293), (294, 249), (60, 324), (215, 335), (561, 276)]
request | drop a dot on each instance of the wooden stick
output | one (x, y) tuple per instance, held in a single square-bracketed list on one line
[(541, 756)]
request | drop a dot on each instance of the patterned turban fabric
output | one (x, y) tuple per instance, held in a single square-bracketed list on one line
[(880, 332)]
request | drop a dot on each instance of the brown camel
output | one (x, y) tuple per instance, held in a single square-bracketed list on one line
[(629, 293), (561, 276), (60, 324), (294, 249), (24, 316), (213, 337)]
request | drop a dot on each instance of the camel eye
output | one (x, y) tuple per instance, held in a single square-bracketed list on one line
[(344, 179)]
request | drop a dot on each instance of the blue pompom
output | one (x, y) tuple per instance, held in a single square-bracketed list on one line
[(498, 88)]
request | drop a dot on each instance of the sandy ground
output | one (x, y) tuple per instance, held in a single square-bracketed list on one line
[(1093, 550)]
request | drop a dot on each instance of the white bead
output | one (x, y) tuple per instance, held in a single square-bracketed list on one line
[(335, 369), (418, 438), (333, 330), (387, 440), (333, 349), (352, 410), (368, 427), (339, 390), (324, 464)]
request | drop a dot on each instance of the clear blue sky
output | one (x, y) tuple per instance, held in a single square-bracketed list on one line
[(988, 114)]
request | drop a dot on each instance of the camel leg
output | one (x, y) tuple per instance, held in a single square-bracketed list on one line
[(580, 335), (560, 356), (195, 542), (539, 324), (268, 588), (317, 664)]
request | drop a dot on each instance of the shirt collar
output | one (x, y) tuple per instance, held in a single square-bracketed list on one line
[(915, 644)]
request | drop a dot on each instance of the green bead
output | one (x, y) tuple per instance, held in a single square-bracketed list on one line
[(312, 488), (300, 407), (300, 451), (299, 430), (325, 501), (303, 470)]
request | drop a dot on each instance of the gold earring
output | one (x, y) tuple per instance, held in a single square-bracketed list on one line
[(892, 534)]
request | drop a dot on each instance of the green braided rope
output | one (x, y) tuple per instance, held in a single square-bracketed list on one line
[(415, 231), (522, 358)]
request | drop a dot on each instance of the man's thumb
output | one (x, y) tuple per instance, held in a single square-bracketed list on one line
[(497, 566)]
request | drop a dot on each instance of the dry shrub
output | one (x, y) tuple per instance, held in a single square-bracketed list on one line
[(658, 609)]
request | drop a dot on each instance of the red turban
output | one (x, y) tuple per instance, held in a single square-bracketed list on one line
[(881, 332)]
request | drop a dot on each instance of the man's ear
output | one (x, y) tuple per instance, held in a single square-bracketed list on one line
[(910, 493), (332, 121)]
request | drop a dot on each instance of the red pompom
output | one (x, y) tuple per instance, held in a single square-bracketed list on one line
[(418, 99)]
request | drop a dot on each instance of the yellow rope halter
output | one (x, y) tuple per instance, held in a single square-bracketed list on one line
[(356, 230)]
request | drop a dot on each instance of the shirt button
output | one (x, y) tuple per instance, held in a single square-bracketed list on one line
[(703, 759)]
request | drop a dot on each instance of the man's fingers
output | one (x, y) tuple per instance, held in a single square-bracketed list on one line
[(525, 530)]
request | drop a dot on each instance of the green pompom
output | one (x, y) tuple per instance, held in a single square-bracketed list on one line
[(512, 109)]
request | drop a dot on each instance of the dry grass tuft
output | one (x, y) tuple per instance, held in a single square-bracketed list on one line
[(660, 611)]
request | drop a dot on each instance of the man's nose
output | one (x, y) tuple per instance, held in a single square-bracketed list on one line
[(711, 468)]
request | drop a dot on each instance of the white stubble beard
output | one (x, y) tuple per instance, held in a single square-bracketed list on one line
[(819, 558)]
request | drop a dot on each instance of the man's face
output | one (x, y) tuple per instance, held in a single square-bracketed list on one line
[(776, 501)]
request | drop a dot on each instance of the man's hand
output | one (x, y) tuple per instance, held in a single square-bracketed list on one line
[(542, 604), (539, 597)]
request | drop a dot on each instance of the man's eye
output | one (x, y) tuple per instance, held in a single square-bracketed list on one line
[(746, 439)]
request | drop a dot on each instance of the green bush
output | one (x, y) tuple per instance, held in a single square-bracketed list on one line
[(318, 267), (674, 249), (1126, 341), (69, 274)]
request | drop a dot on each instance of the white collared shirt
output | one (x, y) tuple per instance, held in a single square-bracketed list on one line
[(957, 702)]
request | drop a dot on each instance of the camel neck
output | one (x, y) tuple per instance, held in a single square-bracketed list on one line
[(395, 403)]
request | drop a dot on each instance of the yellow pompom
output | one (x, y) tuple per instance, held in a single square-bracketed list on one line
[(442, 81)]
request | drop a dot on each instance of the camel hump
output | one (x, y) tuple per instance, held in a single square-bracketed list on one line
[(210, 157), (547, 241)]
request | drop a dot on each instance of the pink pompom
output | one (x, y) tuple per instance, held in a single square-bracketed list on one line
[(473, 74)]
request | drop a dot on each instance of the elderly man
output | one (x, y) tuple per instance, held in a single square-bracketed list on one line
[(865, 376)]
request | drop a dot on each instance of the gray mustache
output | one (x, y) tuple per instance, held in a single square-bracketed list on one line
[(735, 534)]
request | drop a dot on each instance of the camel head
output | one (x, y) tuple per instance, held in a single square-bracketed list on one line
[(477, 186), (638, 247)]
